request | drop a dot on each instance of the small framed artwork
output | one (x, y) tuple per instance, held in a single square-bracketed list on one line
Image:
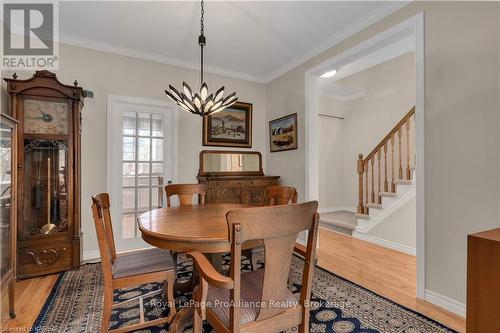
[(283, 133), (231, 127)]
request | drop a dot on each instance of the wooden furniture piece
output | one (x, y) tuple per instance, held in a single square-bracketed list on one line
[(483, 281), (129, 269), (260, 291), (189, 228), (373, 179), (234, 177), (185, 193), (281, 195), (48, 162), (275, 195), (8, 213)]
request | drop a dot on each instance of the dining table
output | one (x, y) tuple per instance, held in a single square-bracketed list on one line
[(188, 228)]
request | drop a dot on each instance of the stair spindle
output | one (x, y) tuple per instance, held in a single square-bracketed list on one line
[(373, 181), (386, 184), (361, 169), (366, 192), (393, 184), (400, 153), (379, 199), (408, 171)]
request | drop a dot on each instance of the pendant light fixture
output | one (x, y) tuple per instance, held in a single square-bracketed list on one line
[(201, 104)]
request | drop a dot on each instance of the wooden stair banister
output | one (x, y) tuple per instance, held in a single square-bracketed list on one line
[(366, 165)]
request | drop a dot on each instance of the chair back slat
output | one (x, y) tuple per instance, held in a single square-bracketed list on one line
[(185, 193), (261, 224), (104, 230), (280, 195)]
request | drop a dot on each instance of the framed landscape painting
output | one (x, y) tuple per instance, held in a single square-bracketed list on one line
[(231, 127), (283, 133)]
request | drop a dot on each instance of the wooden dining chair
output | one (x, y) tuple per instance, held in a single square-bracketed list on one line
[(250, 301), (129, 270), (274, 195), (280, 195), (185, 193)]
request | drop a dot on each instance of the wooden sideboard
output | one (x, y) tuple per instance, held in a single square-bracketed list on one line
[(246, 190), (483, 281)]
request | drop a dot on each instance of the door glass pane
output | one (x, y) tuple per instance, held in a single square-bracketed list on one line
[(129, 123), (157, 149), (144, 149), (128, 148), (142, 167), (144, 124), (128, 174), (157, 125), (143, 174), (5, 198)]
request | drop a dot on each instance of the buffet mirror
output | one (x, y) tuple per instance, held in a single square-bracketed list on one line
[(230, 163)]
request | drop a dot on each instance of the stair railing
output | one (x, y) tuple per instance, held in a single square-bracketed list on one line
[(375, 174)]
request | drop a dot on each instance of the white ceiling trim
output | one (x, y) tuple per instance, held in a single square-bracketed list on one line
[(351, 30), (354, 28), (154, 57)]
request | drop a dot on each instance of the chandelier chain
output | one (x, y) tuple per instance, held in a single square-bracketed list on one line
[(202, 20)]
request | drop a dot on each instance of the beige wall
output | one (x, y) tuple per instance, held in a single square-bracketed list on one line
[(105, 74), (461, 128), (389, 94)]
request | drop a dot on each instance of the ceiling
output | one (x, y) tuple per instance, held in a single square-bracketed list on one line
[(256, 41)]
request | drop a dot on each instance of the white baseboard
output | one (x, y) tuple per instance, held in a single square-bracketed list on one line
[(337, 209), (386, 243), (445, 302), (95, 256)]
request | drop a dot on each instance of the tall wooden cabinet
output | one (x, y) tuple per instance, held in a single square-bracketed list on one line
[(483, 281), (8, 199), (48, 165)]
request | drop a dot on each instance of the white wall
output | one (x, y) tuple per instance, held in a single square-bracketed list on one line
[(105, 74), (390, 90), (330, 144), (462, 74)]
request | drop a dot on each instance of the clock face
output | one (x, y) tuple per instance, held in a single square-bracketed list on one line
[(45, 117)]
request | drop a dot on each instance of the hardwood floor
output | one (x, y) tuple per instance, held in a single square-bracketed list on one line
[(384, 271)]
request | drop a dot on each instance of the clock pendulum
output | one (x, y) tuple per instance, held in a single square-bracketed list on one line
[(55, 196), (38, 188), (48, 228)]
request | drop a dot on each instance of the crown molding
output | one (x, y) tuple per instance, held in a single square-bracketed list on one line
[(352, 29), (154, 57), (342, 35)]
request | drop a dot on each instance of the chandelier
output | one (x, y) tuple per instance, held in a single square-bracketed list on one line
[(201, 104)]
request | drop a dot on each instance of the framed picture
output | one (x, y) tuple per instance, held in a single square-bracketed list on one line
[(231, 127), (283, 133)]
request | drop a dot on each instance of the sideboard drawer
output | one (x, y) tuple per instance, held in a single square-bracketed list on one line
[(243, 190)]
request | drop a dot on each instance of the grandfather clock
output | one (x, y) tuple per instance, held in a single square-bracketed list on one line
[(48, 165)]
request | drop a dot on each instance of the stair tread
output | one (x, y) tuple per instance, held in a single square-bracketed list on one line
[(388, 194), (363, 216), (403, 182), (344, 219), (375, 205)]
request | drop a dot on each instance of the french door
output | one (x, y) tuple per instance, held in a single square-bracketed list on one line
[(142, 155)]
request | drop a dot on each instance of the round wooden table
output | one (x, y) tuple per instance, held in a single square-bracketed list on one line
[(189, 228)]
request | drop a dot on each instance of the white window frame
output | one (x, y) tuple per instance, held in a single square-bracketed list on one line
[(116, 108)]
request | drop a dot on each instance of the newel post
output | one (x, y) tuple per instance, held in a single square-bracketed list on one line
[(360, 169)]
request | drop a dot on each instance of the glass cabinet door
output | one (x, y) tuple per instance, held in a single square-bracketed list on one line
[(45, 187), (6, 140)]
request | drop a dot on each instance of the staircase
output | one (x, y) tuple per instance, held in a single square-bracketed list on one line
[(386, 175), (385, 182)]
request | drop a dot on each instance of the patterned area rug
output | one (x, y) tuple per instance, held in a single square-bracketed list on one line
[(338, 305)]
